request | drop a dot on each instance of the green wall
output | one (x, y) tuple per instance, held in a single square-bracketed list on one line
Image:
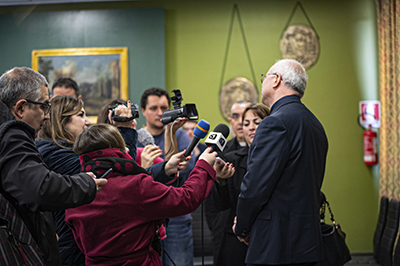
[(141, 30), (195, 44), (346, 73)]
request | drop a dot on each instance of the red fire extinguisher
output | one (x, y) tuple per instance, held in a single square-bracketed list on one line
[(370, 147)]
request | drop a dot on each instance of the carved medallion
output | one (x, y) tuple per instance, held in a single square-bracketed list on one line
[(301, 43), (234, 90)]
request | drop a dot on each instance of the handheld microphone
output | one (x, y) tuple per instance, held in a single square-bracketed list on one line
[(145, 137), (199, 132), (217, 139)]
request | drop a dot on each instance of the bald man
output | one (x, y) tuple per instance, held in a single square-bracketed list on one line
[(278, 205)]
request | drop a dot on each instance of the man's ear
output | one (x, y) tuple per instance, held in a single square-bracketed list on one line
[(277, 80), (19, 109)]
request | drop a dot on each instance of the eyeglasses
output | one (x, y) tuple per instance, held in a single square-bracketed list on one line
[(264, 76), (44, 106), (235, 116)]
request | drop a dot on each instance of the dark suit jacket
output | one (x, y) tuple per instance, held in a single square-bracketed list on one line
[(231, 145), (279, 200)]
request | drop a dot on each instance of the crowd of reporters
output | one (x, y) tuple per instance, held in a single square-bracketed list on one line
[(52, 161)]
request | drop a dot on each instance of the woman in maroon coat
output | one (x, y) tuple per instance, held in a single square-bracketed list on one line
[(118, 227)]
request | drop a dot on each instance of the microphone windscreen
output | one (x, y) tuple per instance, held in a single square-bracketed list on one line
[(145, 137), (201, 129), (223, 129)]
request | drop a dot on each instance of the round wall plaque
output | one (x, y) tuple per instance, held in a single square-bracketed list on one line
[(301, 43), (234, 90)]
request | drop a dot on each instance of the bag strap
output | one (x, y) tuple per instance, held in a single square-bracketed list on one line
[(169, 257), (331, 213), (322, 212)]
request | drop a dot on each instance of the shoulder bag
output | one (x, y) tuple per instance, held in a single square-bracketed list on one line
[(335, 250)]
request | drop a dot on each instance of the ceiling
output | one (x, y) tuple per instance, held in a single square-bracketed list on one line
[(41, 2)]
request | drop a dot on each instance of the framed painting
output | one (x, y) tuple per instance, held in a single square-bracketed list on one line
[(101, 73)]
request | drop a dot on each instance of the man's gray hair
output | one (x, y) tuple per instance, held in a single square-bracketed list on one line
[(21, 83), (293, 74)]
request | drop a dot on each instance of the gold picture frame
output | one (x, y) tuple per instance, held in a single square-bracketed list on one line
[(101, 73)]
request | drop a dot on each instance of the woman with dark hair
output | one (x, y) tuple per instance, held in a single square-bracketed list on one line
[(118, 228), (226, 189), (67, 119)]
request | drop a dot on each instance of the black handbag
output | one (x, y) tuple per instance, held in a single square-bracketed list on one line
[(335, 250)]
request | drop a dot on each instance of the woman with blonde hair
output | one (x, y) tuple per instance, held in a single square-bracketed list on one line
[(67, 120)]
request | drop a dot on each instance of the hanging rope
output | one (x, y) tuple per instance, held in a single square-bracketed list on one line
[(298, 4), (236, 10)]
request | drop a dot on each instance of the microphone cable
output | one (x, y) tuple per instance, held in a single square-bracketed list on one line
[(171, 145)]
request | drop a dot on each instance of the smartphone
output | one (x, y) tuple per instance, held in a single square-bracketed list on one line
[(219, 163)]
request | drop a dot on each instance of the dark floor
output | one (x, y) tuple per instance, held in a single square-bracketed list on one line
[(206, 261), (362, 259), (359, 259)]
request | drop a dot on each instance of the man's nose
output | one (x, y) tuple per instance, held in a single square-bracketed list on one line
[(46, 116)]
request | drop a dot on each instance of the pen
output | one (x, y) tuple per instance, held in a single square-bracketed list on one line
[(106, 173)]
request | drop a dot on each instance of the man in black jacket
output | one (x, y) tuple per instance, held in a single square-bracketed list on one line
[(25, 179)]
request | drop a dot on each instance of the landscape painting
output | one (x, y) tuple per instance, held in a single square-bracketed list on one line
[(101, 73)]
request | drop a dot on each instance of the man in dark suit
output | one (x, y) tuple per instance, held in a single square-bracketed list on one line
[(278, 207), (236, 122)]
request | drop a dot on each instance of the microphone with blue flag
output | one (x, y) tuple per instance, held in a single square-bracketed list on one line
[(199, 132)]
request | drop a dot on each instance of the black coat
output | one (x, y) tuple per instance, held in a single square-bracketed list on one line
[(217, 220), (28, 182), (231, 145), (279, 200), (225, 197), (232, 251)]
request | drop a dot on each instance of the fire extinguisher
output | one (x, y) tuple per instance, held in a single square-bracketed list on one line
[(370, 147)]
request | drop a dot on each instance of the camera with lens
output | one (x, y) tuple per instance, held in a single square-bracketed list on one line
[(116, 118), (188, 110)]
